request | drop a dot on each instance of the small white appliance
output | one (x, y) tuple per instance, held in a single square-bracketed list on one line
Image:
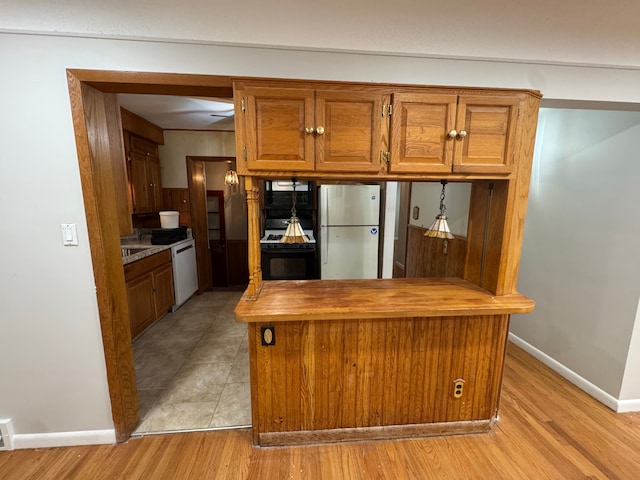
[(185, 271), (349, 231)]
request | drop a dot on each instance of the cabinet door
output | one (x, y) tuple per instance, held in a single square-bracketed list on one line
[(486, 133), (138, 177), (163, 289), (155, 184), (141, 302), (276, 129), (420, 126), (349, 134)]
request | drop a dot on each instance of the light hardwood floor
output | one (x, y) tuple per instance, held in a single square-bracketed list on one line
[(549, 429)]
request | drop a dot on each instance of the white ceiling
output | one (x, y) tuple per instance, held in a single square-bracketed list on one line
[(181, 113)]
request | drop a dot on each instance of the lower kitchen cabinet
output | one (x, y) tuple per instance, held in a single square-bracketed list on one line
[(149, 283)]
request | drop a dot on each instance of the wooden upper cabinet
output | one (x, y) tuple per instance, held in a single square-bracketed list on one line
[(420, 127), (348, 131), (303, 129), (276, 122), (144, 175), (433, 133), (330, 129), (486, 129)]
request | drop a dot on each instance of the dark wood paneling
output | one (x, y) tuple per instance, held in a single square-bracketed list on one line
[(426, 257), (323, 375)]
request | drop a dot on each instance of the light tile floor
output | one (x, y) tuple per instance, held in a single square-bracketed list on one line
[(192, 368)]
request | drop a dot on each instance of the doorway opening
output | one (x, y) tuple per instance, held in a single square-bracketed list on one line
[(96, 124)]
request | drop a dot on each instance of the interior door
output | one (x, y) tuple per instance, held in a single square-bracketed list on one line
[(217, 238), (198, 200)]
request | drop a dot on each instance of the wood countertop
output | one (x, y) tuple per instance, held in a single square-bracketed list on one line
[(295, 300)]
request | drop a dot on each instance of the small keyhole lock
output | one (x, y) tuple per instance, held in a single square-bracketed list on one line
[(458, 385)]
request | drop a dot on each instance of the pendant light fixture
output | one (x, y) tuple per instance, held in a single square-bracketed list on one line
[(231, 177), (439, 228), (294, 232)]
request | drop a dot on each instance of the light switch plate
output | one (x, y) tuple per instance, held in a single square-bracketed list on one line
[(69, 234)]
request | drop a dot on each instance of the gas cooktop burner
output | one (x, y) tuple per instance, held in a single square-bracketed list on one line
[(273, 236)]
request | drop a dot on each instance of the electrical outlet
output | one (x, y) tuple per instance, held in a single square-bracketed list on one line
[(458, 386), (6, 435)]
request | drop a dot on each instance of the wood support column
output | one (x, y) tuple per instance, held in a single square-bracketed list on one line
[(253, 209)]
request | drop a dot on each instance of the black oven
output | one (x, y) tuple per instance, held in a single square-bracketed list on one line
[(288, 263)]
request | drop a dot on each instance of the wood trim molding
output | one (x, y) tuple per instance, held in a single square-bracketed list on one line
[(104, 240), (141, 126), (308, 437)]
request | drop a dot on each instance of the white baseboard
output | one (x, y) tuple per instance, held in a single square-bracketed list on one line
[(63, 439), (580, 382)]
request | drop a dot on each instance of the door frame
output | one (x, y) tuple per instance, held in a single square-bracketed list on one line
[(101, 213), (196, 181)]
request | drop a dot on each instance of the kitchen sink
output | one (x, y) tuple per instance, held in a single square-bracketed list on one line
[(126, 251)]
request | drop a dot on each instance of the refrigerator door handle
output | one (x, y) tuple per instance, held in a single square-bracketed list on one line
[(324, 238), (325, 207)]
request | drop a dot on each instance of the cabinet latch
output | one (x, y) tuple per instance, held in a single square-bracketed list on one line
[(244, 105), (384, 157)]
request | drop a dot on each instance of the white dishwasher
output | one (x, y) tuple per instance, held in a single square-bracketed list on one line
[(185, 271)]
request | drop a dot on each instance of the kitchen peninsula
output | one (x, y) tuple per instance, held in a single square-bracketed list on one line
[(341, 360)]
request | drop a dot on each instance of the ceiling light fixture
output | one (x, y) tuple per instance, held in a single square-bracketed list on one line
[(439, 228), (294, 232)]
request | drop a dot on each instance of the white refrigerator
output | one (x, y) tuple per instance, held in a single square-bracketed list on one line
[(349, 218)]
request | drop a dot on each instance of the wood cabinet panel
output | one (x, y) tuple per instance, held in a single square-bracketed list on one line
[(163, 289), (352, 136), (140, 297), (420, 126), (150, 294), (490, 124), (276, 135), (325, 375), (144, 174)]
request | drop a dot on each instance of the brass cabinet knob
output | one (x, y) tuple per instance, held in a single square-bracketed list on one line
[(462, 133), (453, 134), (309, 129), (320, 130)]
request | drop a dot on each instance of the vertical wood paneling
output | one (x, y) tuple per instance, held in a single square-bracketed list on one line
[(336, 373), (323, 375), (349, 382), (377, 385), (293, 375), (406, 365), (308, 366), (390, 413), (419, 343), (363, 379)]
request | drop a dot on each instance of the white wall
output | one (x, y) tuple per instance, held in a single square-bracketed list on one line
[(580, 258), (54, 379), (426, 196), (180, 144), (572, 31)]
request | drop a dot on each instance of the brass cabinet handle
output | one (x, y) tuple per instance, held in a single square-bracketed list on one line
[(309, 129), (320, 130), (453, 134)]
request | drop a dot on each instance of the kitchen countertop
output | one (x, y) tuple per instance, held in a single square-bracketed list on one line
[(149, 250)]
